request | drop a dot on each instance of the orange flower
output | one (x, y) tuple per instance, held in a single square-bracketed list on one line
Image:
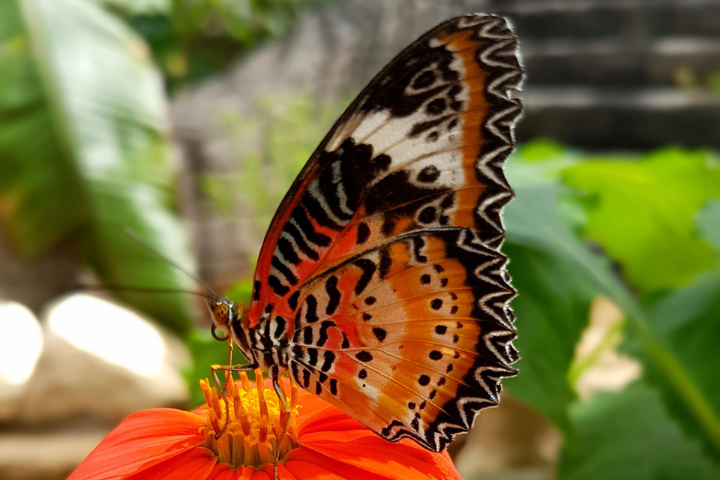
[(321, 442)]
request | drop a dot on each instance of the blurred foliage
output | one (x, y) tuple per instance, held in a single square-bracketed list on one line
[(553, 272), (643, 213), (85, 149), (84, 145), (266, 151), (644, 203), (193, 39), (687, 322), (628, 435), (689, 79), (708, 223)]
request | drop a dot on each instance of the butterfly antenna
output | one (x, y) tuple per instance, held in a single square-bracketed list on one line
[(125, 288), (144, 244)]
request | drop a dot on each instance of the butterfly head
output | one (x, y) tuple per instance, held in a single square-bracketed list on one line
[(223, 313)]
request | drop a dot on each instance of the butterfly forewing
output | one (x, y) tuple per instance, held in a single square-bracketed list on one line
[(382, 262)]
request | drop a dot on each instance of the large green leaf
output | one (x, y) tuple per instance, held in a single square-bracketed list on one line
[(84, 147), (645, 217), (628, 436), (687, 322), (539, 162), (644, 213), (708, 224), (552, 272)]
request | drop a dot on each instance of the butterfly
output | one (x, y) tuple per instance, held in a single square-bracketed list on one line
[(380, 286)]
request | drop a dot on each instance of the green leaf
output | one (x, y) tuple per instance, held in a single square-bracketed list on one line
[(687, 322), (539, 162), (645, 211), (241, 292), (708, 224), (137, 7), (645, 218), (552, 272), (628, 436), (85, 150), (549, 327)]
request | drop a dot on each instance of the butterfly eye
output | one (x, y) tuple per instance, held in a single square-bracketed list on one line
[(221, 314)]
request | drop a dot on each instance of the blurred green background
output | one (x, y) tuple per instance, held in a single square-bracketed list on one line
[(187, 120)]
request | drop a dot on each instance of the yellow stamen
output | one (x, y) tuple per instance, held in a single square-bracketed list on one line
[(249, 421)]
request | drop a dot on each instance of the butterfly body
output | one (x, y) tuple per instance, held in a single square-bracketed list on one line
[(380, 286)]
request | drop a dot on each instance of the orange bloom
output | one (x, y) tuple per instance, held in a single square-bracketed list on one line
[(321, 442)]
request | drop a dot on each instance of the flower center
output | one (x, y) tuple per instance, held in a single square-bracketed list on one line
[(244, 426)]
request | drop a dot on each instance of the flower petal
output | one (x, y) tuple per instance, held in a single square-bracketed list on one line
[(404, 460), (142, 440), (324, 419), (196, 464), (305, 464), (268, 471), (224, 471)]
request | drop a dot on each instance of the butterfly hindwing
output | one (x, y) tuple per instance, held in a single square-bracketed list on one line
[(422, 344), (382, 262)]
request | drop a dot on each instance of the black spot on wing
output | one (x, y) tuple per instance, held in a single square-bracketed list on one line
[(311, 313), (323, 336), (287, 251), (333, 293), (307, 336), (282, 268), (368, 268), (329, 358), (364, 356), (379, 333), (293, 300), (385, 262), (295, 372), (277, 286), (280, 326), (312, 356), (363, 233)]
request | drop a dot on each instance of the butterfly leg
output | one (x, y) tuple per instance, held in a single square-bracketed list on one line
[(228, 374), (228, 369)]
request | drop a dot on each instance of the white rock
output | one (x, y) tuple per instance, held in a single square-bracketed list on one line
[(21, 343), (101, 359)]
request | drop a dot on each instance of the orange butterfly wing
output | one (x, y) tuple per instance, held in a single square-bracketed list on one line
[(380, 284)]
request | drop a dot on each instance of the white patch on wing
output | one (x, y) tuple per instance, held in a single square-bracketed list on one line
[(369, 124), (418, 150), (368, 388), (448, 163)]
